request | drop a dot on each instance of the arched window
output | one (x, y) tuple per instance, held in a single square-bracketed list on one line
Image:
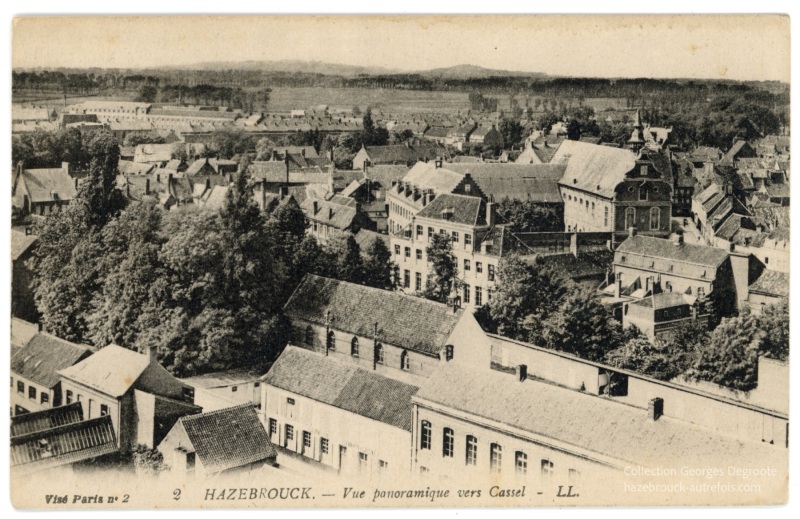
[(425, 435), (447, 442), (354, 347), (331, 342), (404, 363), (309, 335), (495, 457), (378, 353), (655, 218), (521, 463), (630, 217), (472, 450)]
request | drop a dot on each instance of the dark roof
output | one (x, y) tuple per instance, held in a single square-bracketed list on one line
[(772, 282), (666, 249), (384, 174), (30, 423), (62, 445), (437, 133), (401, 153), (44, 356), (42, 183), (215, 114), (590, 423), (228, 438), (705, 154), (330, 213), (536, 182), (470, 210), (20, 242), (403, 320), (346, 386), (585, 264)]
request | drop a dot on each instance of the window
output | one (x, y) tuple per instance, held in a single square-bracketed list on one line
[(466, 293), (574, 474), (289, 433), (643, 193), (455, 237), (45, 397), (643, 171), (547, 468), (417, 281), (466, 265), (630, 217), (419, 230), (405, 363), (491, 272), (701, 293), (406, 278), (472, 450), (32, 392), (273, 427), (419, 254), (430, 232), (478, 267), (467, 239), (447, 442), (606, 217), (425, 435), (495, 457), (234, 389), (21, 388), (397, 249), (378, 354), (323, 445), (190, 460), (592, 208), (521, 463), (354, 347), (478, 296), (103, 410), (655, 218), (69, 396), (467, 188), (448, 352), (382, 466), (306, 440), (408, 252), (331, 342), (309, 335)]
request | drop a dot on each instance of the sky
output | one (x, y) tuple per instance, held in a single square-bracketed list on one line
[(738, 47)]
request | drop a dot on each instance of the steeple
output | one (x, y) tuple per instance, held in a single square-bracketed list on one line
[(636, 142)]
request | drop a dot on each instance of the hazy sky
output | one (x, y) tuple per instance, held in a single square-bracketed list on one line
[(715, 46)]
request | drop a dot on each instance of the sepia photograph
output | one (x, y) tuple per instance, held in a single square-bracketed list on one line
[(399, 261)]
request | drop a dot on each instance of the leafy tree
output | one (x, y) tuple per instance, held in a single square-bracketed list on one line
[(179, 152), (134, 139), (444, 270), (348, 265), (511, 130), (264, 148), (546, 121), (229, 142), (530, 216), (378, 266), (774, 320), (148, 462), (574, 130), (147, 94)]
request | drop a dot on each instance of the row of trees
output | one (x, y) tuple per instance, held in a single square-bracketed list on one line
[(48, 149)]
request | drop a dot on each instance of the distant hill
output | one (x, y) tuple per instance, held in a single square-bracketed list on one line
[(336, 69)]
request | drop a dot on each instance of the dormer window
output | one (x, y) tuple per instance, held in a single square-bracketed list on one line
[(467, 188), (644, 171)]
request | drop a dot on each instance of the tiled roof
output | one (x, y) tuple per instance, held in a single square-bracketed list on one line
[(469, 210), (773, 283), (425, 175), (536, 182), (403, 320), (401, 153), (31, 423), (228, 438), (662, 300), (42, 183), (197, 166), (44, 356), (62, 445), (705, 154), (330, 213), (590, 423), (153, 153), (384, 174), (127, 167), (20, 242), (591, 168), (21, 332), (346, 386), (440, 133), (666, 249), (111, 370)]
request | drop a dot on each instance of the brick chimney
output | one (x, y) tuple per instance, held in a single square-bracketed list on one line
[(147, 186), (152, 354), (491, 214)]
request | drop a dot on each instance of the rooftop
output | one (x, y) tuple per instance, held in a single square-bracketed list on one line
[(592, 168), (44, 356), (112, 370), (773, 283), (666, 249), (468, 210)]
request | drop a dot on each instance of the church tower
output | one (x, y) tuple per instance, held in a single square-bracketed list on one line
[(636, 142)]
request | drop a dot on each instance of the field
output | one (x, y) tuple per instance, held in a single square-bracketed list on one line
[(384, 100)]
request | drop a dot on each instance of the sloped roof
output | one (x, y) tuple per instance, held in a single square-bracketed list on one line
[(591, 423), (425, 175), (401, 153), (346, 386), (585, 264), (127, 167), (330, 213), (30, 423), (20, 242), (44, 356), (403, 320), (226, 378), (365, 239), (153, 153), (469, 210), (42, 183), (228, 438), (536, 182), (384, 174), (111, 370), (666, 249), (772, 282), (662, 300), (592, 168)]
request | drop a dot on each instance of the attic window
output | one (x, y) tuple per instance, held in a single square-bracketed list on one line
[(467, 188)]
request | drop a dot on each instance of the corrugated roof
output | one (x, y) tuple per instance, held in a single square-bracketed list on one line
[(587, 422), (228, 438), (346, 386), (592, 168), (666, 249), (405, 321), (31, 423), (44, 356), (111, 370)]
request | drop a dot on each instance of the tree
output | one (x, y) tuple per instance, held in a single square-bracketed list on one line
[(443, 274), (378, 266), (530, 216), (356, 111), (344, 249), (640, 355), (146, 94), (511, 130), (179, 152), (774, 320), (574, 130), (136, 138), (264, 148)]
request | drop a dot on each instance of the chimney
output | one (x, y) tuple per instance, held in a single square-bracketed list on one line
[(158, 177), (303, 152), (330, 213), (76, 183), (65, 167), (521, 372), (655, 408), (631, 231), (438, 163), (573, 244), (677, 238), (491, 214), (618, 286), (314, 207), (147, 186), (20, 166), (152, 354)]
